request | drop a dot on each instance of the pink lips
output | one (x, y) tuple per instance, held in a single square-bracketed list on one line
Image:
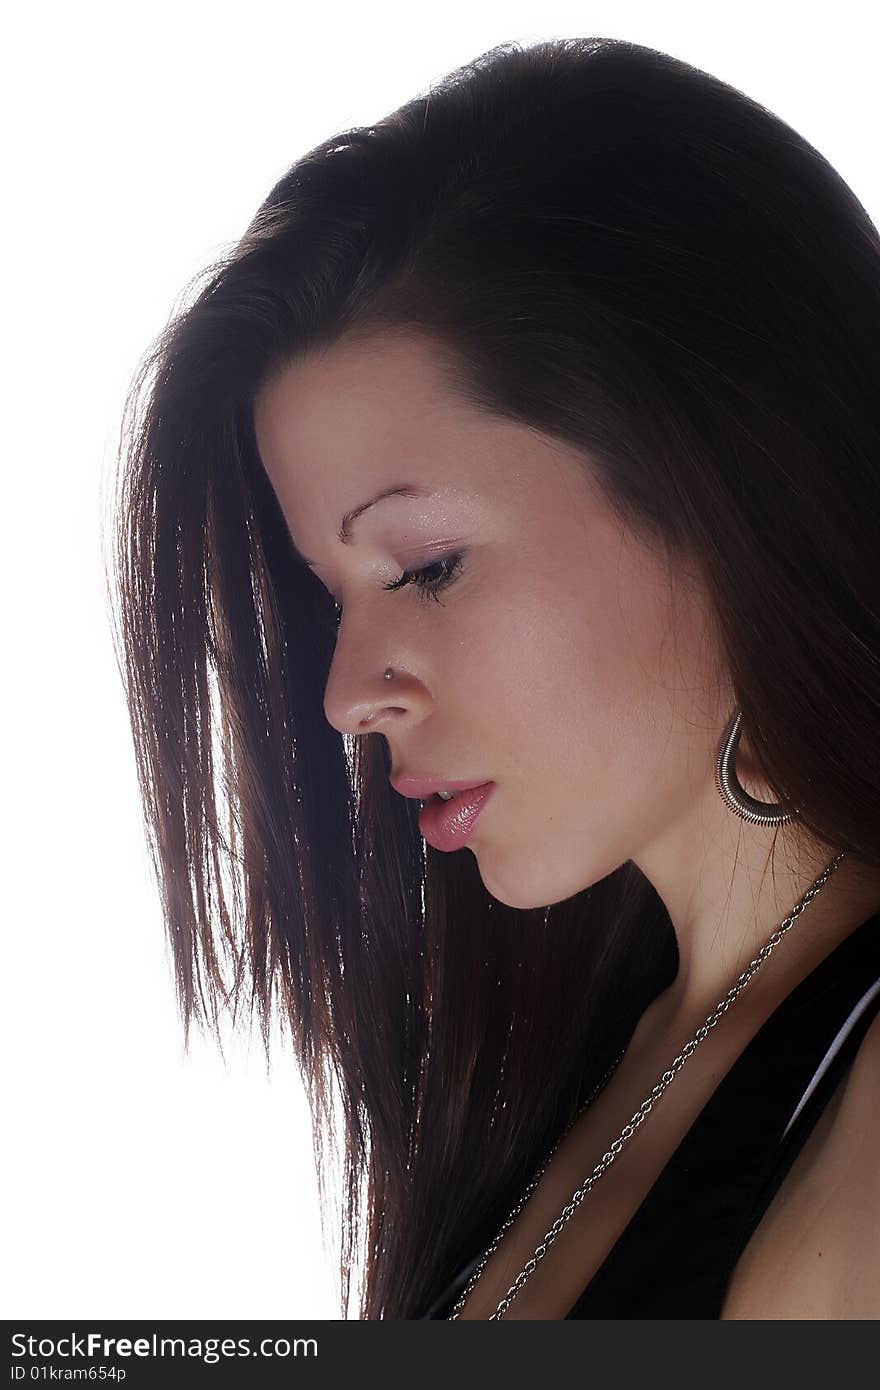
[(448, 825)]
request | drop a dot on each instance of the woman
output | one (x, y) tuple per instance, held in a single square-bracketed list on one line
[(528, 439)]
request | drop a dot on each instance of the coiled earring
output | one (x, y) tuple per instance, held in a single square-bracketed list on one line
[(734, 794)]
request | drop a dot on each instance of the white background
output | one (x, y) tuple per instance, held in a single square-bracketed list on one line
[(140, 1182)]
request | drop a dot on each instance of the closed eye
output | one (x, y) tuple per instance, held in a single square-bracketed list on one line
[(427, 580), (429, 587)]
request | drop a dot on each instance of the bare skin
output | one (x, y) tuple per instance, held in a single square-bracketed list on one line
[(576, 666)]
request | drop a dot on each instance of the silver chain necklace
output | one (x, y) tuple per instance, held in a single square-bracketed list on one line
[(629, 1129)]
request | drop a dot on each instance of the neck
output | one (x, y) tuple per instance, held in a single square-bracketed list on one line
[(714, 951)]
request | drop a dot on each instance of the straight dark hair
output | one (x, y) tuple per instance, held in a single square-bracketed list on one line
[(625, 253)]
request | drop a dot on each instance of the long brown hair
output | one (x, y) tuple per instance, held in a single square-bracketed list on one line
[(622, 251)]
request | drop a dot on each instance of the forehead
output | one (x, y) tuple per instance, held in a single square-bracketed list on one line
[(364, 414), (356, 396)]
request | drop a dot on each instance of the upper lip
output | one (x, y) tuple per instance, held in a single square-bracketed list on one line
[(421, 787)]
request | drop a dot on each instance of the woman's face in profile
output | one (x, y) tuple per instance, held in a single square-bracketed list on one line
[(548, 663)]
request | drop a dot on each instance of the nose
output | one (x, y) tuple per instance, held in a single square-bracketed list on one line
[(358, 705)]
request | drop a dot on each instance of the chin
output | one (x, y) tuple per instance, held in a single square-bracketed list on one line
[(524, 898)]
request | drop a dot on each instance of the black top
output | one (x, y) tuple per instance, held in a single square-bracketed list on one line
[(676, 1257)]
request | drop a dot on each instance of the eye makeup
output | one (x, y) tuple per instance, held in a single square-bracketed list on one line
[(427, 582), (450, 568)]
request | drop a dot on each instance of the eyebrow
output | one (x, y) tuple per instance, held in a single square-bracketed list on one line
[(344, 533)]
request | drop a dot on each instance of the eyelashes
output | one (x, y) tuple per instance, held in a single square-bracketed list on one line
[(430, 588), (428, 582)]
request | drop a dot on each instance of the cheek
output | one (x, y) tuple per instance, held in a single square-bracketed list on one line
[(581, 670), (653, 712), (591, 689), (578, 730), (591, 712)]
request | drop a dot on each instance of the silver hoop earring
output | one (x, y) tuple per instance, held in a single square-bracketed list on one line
[(734, 794)]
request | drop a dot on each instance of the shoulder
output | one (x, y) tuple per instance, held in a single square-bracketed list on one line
[(817, 1252), (848, 1170)]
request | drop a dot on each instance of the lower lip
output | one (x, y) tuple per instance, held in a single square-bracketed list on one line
[(448, 825)]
